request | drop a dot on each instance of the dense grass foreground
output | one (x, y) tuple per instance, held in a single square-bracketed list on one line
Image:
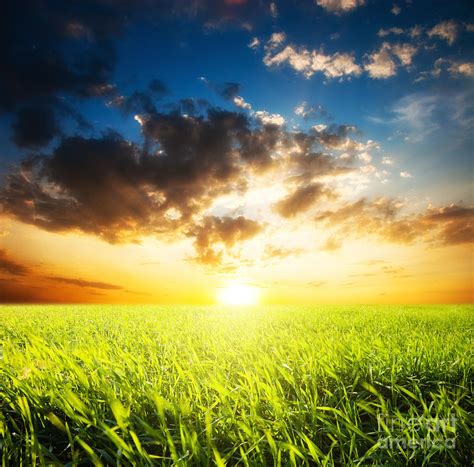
[(186, 386)]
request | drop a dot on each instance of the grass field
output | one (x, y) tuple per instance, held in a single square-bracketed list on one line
[(258, 386)]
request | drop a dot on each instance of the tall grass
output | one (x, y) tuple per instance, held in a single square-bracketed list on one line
[(112, 385)]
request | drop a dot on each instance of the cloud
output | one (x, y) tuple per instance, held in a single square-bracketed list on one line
[(273, 10), (406, 174), (118, 191), (332, 243), (454, 68), (240, 102), (336, 137), (227, 91), (85, 283), (11, 266), (263, 116), (34, 126), (268, 118), (254, 43), (385, 32), (68, 53), (308, 62), (382, 217), (302, 199), (277, 252), (413, 32), (72, 56), (447, 30), (396, 10), (25, 285), (340, 6), (404, 52), (311, 112), (143, 101), (416, 113), (217, 232), (384, 62), (463, 68), (276, 39)]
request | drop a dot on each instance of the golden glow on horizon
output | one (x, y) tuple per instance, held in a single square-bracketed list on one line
[(361, 271), (238, 294)]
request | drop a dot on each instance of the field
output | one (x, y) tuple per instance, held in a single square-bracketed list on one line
[(152, 385)]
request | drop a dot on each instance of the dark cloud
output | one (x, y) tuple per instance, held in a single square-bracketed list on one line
[(85, 283), (143, 101), (49, 49), (25, 284), (312, 165), (11, 266), (21, 293), (34, 126), (302, 199), (227, 90), (119, 191), (188, 106), (218, 14), (158, 88), (455, 224), (221, 231), (451, 225), (335, 136)]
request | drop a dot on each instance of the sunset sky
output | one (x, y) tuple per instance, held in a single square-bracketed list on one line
[(318, 151)]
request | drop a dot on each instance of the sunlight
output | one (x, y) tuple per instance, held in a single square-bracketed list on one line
[(238, 294)]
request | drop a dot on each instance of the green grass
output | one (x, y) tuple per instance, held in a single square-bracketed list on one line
[(209, 386)]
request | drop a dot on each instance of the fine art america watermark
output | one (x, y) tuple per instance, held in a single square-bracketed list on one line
[(417, 433)]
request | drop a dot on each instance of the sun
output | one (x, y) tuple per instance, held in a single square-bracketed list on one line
[(238, 294)]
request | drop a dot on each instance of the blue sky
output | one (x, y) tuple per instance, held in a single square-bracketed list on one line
[(178, 49)]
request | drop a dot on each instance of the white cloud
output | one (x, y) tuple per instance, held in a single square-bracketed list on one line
[(273, 10), (254, 43), (416, 112), (415, 31), (265, 117), (276, 39), (396, 10), (268, 118), (139, 119), (309, 62), (406, 175), (300, 109), (404, 52), (447, 30), (466, 68), (387, 160), (319, 128), (368, 169), (240, 102), (455, 68), (365, 157), (383, 63), (385, 32), (339, 6)]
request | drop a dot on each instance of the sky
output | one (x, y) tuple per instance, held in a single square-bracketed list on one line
[(307, 151)]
